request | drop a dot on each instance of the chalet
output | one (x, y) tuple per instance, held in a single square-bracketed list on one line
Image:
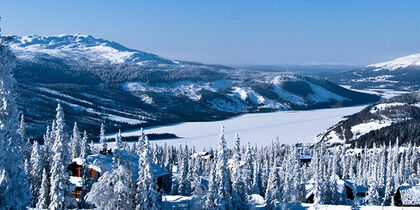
[(305, 159), (356, 187), (407, 195), (203, 155), (100, 163), (347, 187)]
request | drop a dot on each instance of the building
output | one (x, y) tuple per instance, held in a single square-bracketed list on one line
[(407, 195), (99, 164)]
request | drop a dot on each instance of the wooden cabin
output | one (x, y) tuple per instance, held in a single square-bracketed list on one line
[(99, 164)]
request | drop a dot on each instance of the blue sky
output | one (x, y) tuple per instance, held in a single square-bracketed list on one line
[(233, 32)]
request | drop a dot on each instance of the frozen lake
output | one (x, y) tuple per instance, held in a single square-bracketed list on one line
[(259, 128)]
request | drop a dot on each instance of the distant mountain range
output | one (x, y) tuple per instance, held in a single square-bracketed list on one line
[(97, 80), (311, 69), (399, 74), (379, 123)]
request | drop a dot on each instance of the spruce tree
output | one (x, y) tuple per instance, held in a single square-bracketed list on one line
[(272, 194), (223, 197), (239, 197), (75, 142), (37, 165), (102, 140), (14, 188), (43, 194)]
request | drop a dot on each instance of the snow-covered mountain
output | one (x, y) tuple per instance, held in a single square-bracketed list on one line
[(83, 47), (403, 62), (98, 80), (399, 74), (397, 117)]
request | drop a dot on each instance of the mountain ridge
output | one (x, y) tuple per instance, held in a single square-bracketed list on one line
[(110, 83)]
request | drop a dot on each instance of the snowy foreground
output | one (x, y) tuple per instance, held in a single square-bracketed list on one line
[(290, 126), (258, 202)]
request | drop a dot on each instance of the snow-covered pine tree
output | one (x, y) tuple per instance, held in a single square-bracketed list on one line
[(60, 135), (256, 181), (14, 188), (87, 184), (43, 199), (123, 188), (102, 193), (239, 196), (37, 165), (210, 199), (27, 148), (272, 194), (102, 140), (197, 188), (147, 194), (85, 149), (223, 197), (61, 188), (248, 169), (75, 142), (184, 184), (372, 196)]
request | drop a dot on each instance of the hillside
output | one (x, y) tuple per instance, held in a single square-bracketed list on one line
[(399, 74), (101, 81), (382, 122)]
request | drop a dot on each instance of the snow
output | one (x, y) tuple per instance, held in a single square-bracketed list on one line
[(77, 181), (180, 88), (364, 128), (80, 47), (410, 195), (103, 163), (259, 128), (53, 92), (256, 201), (377, 79), (322, 95), (383, 106), (123, 119), (384, 93), (402, 62)]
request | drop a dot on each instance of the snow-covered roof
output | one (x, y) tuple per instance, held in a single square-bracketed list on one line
[(103, 163), (410, 195), (358, 184), (77, 181)]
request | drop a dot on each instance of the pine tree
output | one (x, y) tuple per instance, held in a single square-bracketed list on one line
[(239, 200), (87, 184), (114, 189), (27, 148), (184, 186), (75, 142), (223, 197), (14, 188), (37, 165), (210, 202), (248, 169), (43, 198), (147, 194), (272, 194), (256, 181), (61, 188), (85, 149), (102, 140)]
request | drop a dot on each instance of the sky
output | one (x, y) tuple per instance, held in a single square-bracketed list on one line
[(233, 32)]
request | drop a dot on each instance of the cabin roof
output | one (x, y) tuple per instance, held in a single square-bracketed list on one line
[(357, 184), (410, 195), (103, 163)]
